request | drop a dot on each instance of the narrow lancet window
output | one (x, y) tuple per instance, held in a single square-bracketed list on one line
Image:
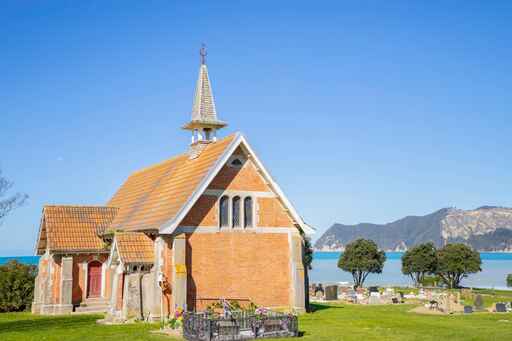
[(224, 211), (236, 212), (248, 212)]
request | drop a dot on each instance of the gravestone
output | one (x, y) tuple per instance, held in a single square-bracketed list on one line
[(312, 288), (331, 292), (374, 298), (373, 289), (319, 292), (343, 291), (319, 287), (501, 308), (468, 309), (401, 297), (479, 302)]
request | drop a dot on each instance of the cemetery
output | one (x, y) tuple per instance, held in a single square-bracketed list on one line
[(425, 300)]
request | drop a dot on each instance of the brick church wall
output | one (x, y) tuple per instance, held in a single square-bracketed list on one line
[(272, 214), (79, 276), (269, 211), (245, 179), (238, 265), (203, 213), (167, 270), (56, 267)]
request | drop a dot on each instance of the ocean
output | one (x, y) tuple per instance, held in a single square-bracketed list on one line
[(495, 268), (31, 260)]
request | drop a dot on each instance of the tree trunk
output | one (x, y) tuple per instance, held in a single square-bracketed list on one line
[(306, 288)]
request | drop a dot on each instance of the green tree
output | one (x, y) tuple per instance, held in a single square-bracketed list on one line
[(419, 261), (456, 261), (509, 280), (308, 254), (361, 258), (16, 286), (308, 261)]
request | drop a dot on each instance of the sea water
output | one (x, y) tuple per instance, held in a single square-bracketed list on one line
[(30, 260), (495, 268)]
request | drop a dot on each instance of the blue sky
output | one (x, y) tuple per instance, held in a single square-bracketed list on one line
[(362, 111)]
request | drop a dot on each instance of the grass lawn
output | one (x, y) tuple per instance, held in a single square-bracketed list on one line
[(336, 322)]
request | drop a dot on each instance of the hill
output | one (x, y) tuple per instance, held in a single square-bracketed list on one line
[(487, 228)]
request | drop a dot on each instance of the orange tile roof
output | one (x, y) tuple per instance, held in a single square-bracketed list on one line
[(153, 196), (134, 247), (74, 228)]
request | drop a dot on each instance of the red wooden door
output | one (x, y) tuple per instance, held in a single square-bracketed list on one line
[(94, 279)]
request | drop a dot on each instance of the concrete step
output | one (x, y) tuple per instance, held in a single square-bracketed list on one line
[(93, 309), (89, 302), (93, 305)]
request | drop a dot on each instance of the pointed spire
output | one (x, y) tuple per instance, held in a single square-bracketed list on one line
[(204, 115), (204, 105)]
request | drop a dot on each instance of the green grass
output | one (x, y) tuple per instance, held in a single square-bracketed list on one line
[(25, 326), (336, 322), (490, 296), (395, 323)]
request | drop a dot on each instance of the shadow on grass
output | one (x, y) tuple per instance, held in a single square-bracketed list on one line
[(314, 307), (46, 323)]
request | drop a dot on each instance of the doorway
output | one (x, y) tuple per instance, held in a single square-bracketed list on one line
[(94, 279)]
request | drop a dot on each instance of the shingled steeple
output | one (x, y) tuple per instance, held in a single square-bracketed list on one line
[(204, 123)]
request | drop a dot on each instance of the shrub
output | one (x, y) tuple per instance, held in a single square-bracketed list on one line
[(16, 286)]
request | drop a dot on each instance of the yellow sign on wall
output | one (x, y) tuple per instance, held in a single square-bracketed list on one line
[(181, 269)]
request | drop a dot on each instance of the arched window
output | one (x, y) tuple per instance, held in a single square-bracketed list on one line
[(224, 211), (248, 212), (236, 212)]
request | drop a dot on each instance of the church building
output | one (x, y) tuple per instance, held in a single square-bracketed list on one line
[(204, 225)]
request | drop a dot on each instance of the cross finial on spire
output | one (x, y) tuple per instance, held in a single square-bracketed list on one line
[(203, 54), (204, 123)]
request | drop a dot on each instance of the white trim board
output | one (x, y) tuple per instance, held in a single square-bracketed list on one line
[(170, 226), (231, 192), (216, 229), (113, 250)]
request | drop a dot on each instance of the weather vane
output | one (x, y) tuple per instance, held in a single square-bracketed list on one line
[(203, 54)]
